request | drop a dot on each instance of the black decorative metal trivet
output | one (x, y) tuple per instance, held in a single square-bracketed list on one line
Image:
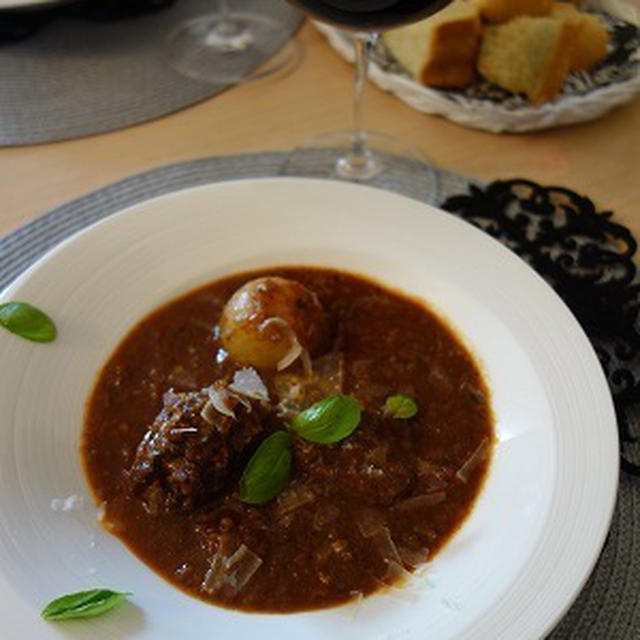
[(588, 259)]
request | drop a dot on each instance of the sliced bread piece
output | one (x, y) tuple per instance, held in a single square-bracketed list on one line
[(442, 50), (527, 55), (590, 39)]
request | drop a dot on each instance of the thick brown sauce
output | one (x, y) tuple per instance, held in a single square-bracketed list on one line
[(316, 555)]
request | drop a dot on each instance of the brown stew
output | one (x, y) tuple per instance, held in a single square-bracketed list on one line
[(355, 516)]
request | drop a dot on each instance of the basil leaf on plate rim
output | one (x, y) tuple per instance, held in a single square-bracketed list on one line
[(83, 604), (328, 421), (400, 407), (268, 470), (27, 321)]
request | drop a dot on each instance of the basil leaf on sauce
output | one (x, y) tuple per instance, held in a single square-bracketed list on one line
[(400, 406), (268, 470), (328, 421), (83, 604), (27, 321)]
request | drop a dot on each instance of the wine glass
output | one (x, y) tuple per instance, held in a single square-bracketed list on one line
[(359, 154), (230, 47)]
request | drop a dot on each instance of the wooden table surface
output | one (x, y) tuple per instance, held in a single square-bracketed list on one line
[(600, 159)]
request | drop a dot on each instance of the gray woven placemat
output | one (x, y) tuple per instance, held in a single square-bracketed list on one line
[(78, 78), (608, 607)]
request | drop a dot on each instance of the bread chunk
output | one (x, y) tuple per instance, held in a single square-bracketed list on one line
[(528, 55), (590, 38), (440, 51)]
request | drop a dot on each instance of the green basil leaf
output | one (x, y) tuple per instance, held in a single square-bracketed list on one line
[(28, 322), (400, 407), (268, 471), (328, 421), (83, 604)]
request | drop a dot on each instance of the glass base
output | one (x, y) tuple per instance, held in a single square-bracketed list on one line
[(231, 48), (389, 163)]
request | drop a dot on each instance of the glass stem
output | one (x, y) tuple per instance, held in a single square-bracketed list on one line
[(359, 162), (229, 34), (361, 43)]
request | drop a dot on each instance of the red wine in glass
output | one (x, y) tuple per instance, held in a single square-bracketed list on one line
[(370, 15)]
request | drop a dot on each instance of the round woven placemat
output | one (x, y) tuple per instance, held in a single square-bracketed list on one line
[(77, 78), (608, 607)]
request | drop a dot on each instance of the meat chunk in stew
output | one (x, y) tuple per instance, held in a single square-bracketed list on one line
[(188, 451), (368, 466)]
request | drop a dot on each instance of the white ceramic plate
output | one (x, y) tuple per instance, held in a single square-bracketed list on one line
[(537, 528), (586, 96)]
